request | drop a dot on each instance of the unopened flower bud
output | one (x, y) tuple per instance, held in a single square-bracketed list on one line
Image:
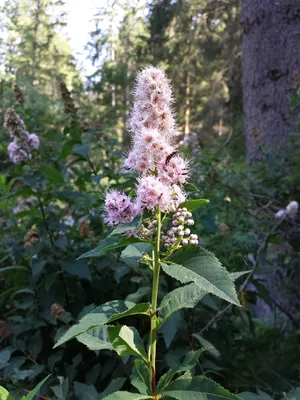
[(31, 237), (184, 242), (84, 229), (57, 310), (190, 222), (5, 330), (224, 228), (187, 231)]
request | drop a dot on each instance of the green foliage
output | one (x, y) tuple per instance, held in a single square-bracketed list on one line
[(108, 312), (197, 388), (203, 268), (188, 363), (127, 341), (76, 269), (34, 391), (183, 297)]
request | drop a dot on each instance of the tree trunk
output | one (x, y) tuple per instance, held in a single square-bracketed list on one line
[(271, 56), (187, 111)]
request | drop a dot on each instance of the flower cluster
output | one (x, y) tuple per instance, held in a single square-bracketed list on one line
[(179, 234), (23, 143), (153, 156), (290, 211)]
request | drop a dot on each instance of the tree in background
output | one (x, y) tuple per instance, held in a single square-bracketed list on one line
[(117, 49), (198, 42), (271, 61), (35, 56)]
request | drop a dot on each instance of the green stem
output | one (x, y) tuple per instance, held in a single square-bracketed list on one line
[(153, 332)]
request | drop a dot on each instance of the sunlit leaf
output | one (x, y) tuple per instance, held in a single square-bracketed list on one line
[(183, 297), (199, 388), (104, 314), (127, 341), (192, 205)]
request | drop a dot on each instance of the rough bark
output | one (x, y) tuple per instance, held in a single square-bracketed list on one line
[(187, 111), (271, 57)]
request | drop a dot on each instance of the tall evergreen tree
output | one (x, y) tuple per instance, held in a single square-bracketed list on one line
[(35, 54)]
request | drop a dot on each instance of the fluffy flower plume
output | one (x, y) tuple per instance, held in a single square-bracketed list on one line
[(152, 107), (153, 156), (23, 143)]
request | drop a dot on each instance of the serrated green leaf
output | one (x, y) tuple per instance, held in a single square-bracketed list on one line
[(61, 390), (127, 341), (77, 268), (4, 395), (140, 379), (235, 275), (67, 148), (183, 297), (207, 345), (139, 294), (108, 312), (82, 149), (192, 205), (31, 395), (99, 251), (133, 253), (111, 243), (96, 339), (190, 187), (188, 363), (52, 174), (170, 328), (85, 392), (255, 396), (126, 227), (202, 267), (114, 385), (199, 388), (127, 396), (124, 241)]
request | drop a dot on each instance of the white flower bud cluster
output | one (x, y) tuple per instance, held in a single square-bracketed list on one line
[(179, 233), (148, 228), (290, 211)]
